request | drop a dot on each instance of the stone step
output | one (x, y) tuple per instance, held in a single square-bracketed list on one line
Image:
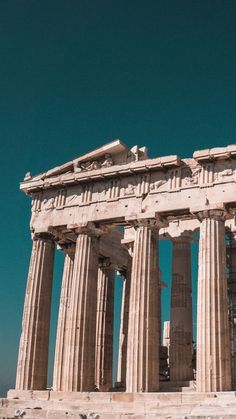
[(61, 405), (73, 415)]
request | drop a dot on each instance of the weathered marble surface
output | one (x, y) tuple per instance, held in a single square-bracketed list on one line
[(132, 184), (213, 341), (104, 325), (115, 204), (61, 405), (33, 349), (181, 322)]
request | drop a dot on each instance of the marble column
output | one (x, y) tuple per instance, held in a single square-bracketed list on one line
[(61, 350), (232, 300), (213, 344), (33, 350), (104, 325), (124, 321), (181, 336), (143, 335), (82, 324)]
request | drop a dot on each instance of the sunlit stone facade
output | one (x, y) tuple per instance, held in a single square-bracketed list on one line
[(107, 211)]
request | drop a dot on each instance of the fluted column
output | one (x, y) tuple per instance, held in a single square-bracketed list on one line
[(33, 349), (143, 334), (213, 345), (104, 325), (232, 300), (181, 311), (82, 324), (61, 350), (124, 321)]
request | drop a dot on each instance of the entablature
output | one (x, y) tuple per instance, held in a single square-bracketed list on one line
[(130, 184)]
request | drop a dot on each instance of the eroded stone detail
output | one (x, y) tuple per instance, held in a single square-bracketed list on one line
[(95, 164), (33, 348), (181, 335), (36, 202), (60, 198), (82, 321), (96, 204), (213, 344), (143, 336), (62, 339), (104, 325)]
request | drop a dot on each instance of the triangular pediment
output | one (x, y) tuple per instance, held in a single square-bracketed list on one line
[(111, 154)]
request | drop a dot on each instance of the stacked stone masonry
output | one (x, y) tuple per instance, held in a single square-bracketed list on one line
[(107, 212)]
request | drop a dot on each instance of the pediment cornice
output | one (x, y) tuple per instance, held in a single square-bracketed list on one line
[(111, 160)]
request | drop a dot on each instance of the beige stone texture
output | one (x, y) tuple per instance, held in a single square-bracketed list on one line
[(124, 322), (80, 365), (231, 264), (181, 336), (143, 335), (62, 339), (33, 348), (104, 325), (100, 204), (61, 405), (213, 343)]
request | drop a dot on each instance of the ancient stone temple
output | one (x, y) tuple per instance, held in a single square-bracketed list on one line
[(107, 211)]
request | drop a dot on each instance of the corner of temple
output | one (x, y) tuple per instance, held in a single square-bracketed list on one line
[(107, 211)]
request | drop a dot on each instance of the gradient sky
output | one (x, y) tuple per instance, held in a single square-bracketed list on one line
[(75, 74)]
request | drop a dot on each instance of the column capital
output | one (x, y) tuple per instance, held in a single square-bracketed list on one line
[(151, 220), (89, 228), (45, 236), (215, 214)]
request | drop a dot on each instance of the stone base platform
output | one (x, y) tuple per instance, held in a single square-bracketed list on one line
[(60, 405)]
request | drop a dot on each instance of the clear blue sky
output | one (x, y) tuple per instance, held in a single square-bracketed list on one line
[(76, 74)]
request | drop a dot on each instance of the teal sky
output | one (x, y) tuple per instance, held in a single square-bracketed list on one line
[(75, 74)]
